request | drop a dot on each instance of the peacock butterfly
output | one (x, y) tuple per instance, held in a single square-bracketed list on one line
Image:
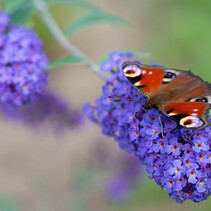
[(176, 93)]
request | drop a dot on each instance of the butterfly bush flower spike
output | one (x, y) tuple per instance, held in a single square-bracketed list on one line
[(47, 111), (177, 158), (127, 176), (23, 63)]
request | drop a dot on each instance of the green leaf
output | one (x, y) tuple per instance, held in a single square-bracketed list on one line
[(66, 60), (75, 3), (20, 11), (94, 18), (10, 6)]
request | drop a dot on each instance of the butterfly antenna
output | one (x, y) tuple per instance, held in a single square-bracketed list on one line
[(161, 124)]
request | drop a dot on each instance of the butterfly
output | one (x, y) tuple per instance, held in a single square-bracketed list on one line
[(176, 93)]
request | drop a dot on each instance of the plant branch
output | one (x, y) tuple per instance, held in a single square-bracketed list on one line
[(43, 9)]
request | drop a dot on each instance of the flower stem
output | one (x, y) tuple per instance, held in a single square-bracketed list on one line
[(43, 9)]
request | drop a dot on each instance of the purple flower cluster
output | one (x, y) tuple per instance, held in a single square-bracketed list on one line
[(22, 63), (128, 175), (121, 172), (179, 161), (47, 111)]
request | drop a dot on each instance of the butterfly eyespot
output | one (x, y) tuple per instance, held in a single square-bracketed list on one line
[(205, 99), (132, 71), (170, 75), (191, 122), (202, 99)]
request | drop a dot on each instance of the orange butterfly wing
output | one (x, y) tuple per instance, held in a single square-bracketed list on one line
[(176, 93)]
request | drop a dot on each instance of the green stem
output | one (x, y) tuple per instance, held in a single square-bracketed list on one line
[(43, 9)]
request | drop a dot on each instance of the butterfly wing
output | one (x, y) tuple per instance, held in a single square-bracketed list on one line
[(187, 99), (146, 79), (189, 114), (176, 93)]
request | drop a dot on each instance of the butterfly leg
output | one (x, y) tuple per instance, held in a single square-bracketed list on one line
[(161, 124), (148, 105)]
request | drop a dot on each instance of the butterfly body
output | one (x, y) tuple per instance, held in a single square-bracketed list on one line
[(176, 93)]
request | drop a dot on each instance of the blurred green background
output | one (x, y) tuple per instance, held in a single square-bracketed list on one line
[(41, 171)]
